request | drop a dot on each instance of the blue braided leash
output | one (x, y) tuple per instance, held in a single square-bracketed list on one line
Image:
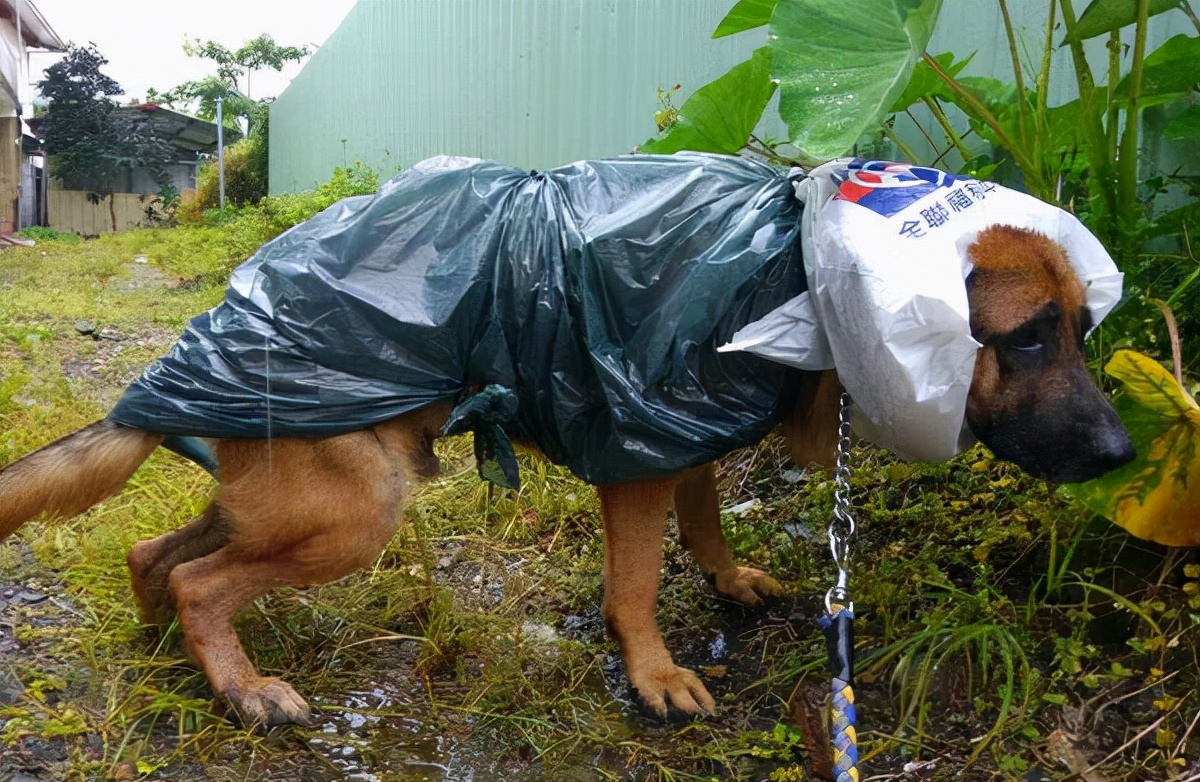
[(839, 638)]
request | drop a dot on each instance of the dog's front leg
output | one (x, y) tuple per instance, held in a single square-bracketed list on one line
[(697, 508), (635, 519)]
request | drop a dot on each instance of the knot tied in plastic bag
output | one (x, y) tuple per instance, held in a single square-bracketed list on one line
[(486, 412)]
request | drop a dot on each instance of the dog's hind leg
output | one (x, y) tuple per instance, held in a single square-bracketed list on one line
[(635, 519), (151, 561), (299, 512), (208, 592), (697, 509)]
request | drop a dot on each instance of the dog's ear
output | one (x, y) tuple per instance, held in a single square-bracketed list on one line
[(1018, 271), (812, 427)]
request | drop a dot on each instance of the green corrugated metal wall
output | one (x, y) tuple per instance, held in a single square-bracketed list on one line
[(538, 83), (533, 83)]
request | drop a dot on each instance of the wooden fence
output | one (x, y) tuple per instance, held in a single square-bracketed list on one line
[(70, 210)]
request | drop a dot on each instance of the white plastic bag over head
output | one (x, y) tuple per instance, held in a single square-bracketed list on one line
[(885, 254)]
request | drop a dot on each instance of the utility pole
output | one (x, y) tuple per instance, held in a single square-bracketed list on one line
[(221, 152)]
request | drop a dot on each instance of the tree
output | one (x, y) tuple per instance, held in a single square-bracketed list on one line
[(88, 140), (231, 85), (232, 80)]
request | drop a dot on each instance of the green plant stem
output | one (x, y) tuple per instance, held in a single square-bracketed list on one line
[(1127, 172), (1043, 86), (939, 115), (1187, 9), (1018, 77), (1052, 577), (1122, 601), (1114, 77), (1183, 286), (905, 149), (1101, 176), (1043, 79), (1173, 333), (760, 147), (937, 161), (928, 139), (766, 153), (981, 112)]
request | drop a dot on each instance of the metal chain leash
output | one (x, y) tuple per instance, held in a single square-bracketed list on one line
[(841, 525)]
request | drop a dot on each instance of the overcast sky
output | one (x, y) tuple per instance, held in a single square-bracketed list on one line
[(143, 39)]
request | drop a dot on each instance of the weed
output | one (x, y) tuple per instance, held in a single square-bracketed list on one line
[(40, 233)]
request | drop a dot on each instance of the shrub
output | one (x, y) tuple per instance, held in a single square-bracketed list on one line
[(41, 233), (244, 228), (245, 179)]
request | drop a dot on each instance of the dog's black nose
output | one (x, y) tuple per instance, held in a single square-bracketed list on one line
[(1095, 448), (1113, 449), (1108, 449)]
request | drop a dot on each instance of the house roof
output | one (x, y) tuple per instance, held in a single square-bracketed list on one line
[(186, 134), (180, 130), (35, 30)]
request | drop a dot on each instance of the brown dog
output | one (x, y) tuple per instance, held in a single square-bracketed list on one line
[(308, 511)]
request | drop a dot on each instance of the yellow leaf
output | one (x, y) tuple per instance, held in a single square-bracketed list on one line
[(1148, 383), (1169, 513), (1156, 497)]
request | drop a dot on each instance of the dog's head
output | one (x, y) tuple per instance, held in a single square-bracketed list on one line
[(1032, 400)]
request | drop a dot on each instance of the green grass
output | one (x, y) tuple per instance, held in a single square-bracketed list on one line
[(996, 619)]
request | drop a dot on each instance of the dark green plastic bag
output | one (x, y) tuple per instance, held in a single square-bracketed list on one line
[(595, 294)]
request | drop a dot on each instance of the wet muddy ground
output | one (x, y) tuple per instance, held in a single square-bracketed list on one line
[(397, 722)]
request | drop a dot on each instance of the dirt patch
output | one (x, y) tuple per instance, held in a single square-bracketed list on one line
[(140, 275), (36, 607), (100, 364)]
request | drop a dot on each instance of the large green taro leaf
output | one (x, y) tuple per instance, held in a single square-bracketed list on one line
[(721, 115), (1105, 16), (842, 65)]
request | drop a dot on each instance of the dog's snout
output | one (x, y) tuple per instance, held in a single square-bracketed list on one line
[(1109, 446), (1108, 453), (1075, 439), (1113, 448), (1105, 447)]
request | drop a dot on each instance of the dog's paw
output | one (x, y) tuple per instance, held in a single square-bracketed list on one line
[(747, 585), (266, 702), (673, 689)]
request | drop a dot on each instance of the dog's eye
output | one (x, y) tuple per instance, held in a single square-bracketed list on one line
[(1026, 345), (1024, 340), (1034, 340)]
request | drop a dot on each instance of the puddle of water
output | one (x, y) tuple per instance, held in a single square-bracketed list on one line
[(383, 734)]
